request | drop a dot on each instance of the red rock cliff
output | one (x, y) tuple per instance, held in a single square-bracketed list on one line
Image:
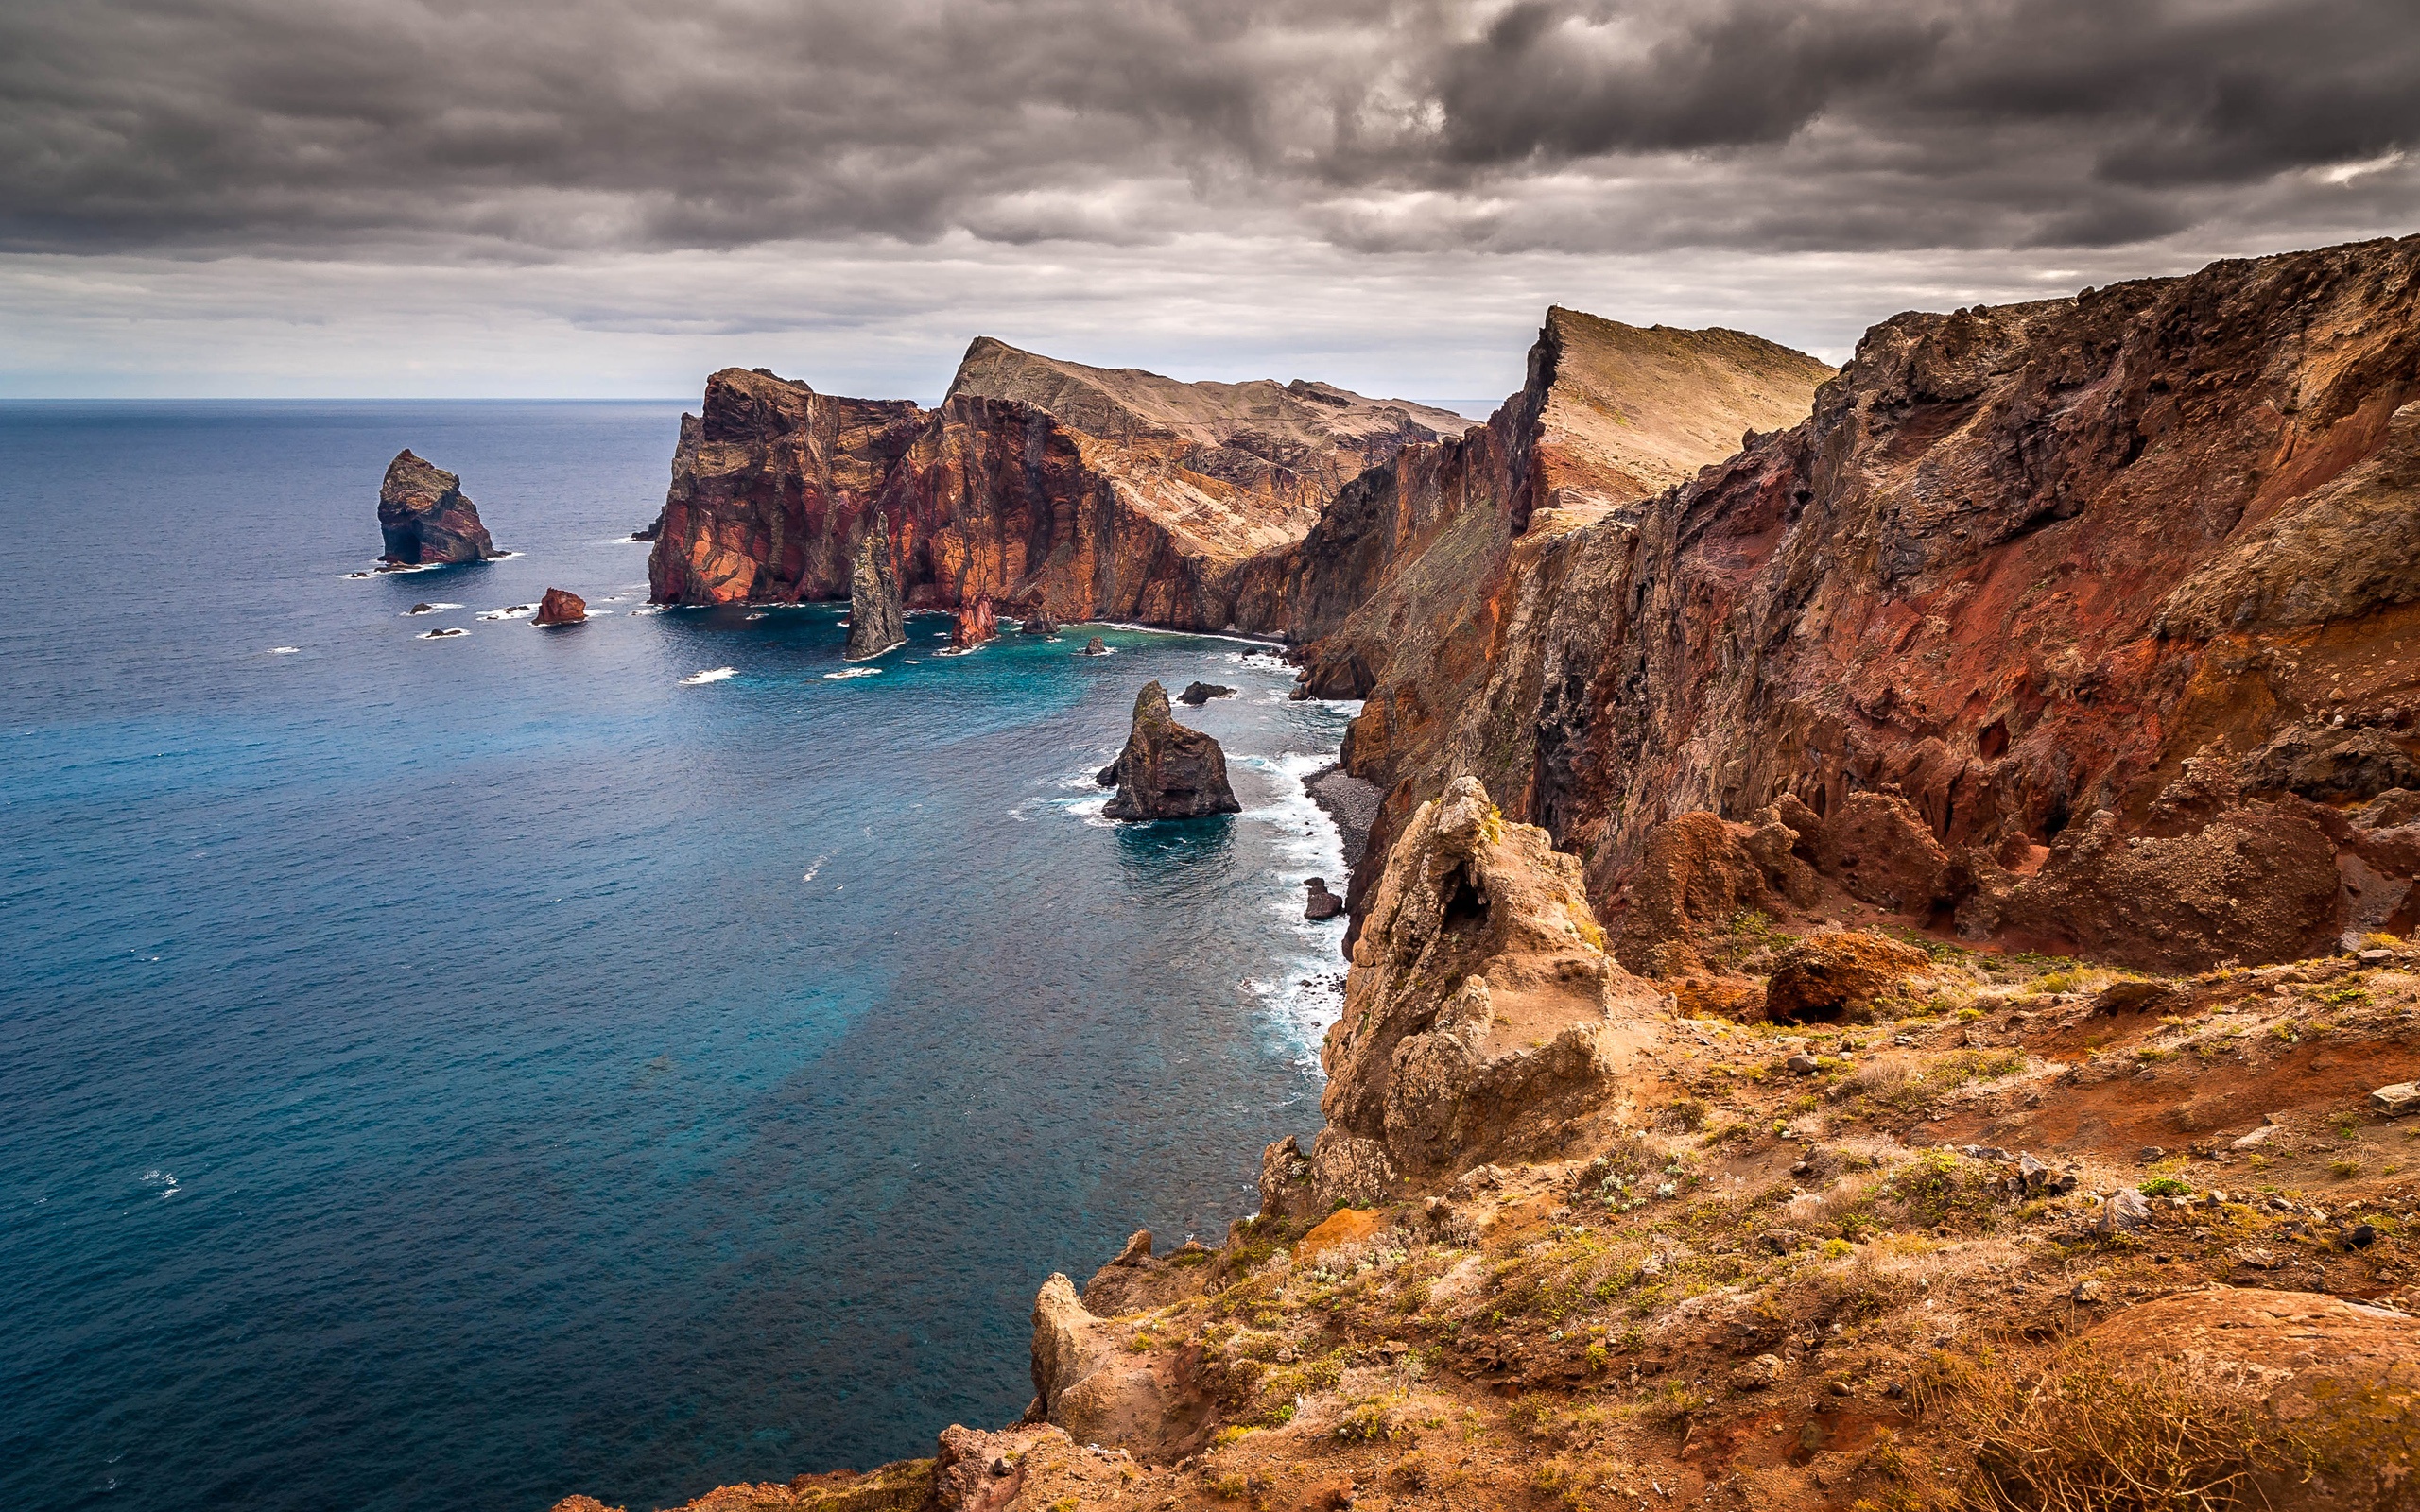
[(1081, 492), (2106, 603)]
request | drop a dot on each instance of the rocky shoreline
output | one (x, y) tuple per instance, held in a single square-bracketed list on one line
[(1882, 962)]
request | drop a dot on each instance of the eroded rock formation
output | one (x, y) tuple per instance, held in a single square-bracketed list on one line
[(974, 624), (561, 607), (2091, 613), (1166, 771), (877, 621), (424, 518), (1061, 492), (1481, 1014)]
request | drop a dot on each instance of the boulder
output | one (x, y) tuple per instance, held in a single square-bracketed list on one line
[(1038, 623), (1836, 975), (976, 624), (1166, 771), (1322, 902), (1094, 646), (2398, 1099), (1482, 1013), (1086, 1382), (877, 621), (561, 607), (426, 518), (1198, 694)]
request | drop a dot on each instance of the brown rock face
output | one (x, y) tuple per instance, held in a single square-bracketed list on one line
[(1166, 771), (876, 622), (1482, 1013), (1068, 492), (975, 625), (2117, 591), (561, 607), (1830, 976), (424, 518), (1086, 1383)]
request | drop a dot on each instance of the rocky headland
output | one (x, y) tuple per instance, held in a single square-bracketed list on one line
[(424, 519), (1882, 975), (876, 620), (1058, 490), (1166, 771)]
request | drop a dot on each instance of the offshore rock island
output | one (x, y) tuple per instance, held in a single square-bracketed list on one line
[(424, 518), (1881, 975)]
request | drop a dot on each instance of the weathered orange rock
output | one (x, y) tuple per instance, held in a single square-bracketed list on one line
[(1346, 1226), (975, 625), (1833, 975), (561, 607)]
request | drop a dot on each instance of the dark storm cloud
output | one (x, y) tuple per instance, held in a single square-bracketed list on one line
[(506, 129)]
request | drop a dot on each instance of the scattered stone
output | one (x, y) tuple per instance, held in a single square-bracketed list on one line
[(1801, 1064), (561, 607), (1198, 694), (2398, 1099), (2123, 1212), (2259, 1136), (2090, 1293), (2150, 1153), (1322, 902), (1758, 1374), (2375, 958)]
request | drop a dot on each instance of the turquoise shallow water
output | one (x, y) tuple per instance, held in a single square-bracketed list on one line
[(453, 1074)]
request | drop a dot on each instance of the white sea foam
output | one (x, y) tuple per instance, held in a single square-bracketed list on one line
[(510, 611), (852, 672), (717, 675), (813, 867), (428, 608), (360, 574), (913, 662), (758, 615), (446, 634), (284, 650), (648, 608)]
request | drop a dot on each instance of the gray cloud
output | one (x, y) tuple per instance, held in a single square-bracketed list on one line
[(513, 131)]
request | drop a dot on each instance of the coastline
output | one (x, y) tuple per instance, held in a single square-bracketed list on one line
[(1351, 803)]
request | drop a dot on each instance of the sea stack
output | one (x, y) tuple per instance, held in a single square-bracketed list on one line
[(1095, 647), (426, 518), (1166, 771), (976, 624), (877, 623), (561, 607), (1321, 903)]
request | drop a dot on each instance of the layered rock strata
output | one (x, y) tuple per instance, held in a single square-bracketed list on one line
[(424, 518), (876, 620), (1166, 771), (1061, 492), (2093, 613)]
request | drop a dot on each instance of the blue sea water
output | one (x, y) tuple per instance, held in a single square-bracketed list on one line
[(452, 1074)]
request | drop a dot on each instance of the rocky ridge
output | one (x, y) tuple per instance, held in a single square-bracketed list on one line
[(1058, 490)]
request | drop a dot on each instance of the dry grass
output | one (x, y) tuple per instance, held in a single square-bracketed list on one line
[(2088, 1436)]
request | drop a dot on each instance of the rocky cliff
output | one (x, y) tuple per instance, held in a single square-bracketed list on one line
[(2095, 611), (424, 518), (1055, 489)]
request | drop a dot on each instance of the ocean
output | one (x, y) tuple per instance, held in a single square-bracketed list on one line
[(623, 1059)]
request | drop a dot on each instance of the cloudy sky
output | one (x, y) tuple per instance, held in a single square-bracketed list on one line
[(613, 197)]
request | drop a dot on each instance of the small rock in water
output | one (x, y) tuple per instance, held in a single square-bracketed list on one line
[(1199, 694), (561, 607), (1095, 647), (1322, 902)]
